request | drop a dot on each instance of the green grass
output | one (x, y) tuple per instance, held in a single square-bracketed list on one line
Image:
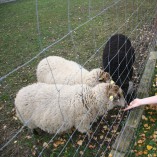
[(20, 41), (146, 134)]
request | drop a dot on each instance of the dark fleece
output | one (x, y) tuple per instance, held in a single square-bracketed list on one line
[(118, 58)]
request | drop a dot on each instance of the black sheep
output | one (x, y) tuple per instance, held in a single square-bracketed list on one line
[(118, 59)]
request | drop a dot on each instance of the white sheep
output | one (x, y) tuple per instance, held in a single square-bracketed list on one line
[(56, 110), (54, 69)]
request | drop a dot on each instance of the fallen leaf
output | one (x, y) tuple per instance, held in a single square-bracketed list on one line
[(150, 113), (95, 138), (33, 152), (57, 143), (108, 147), (91, 146), (101, 137), (4, 127), (80, 142), (45, 145), (148, 128), (145, 152), (142, 135), (144, 117), (28, 137), (113, 131), (110, 155), (152, 120), (81, 152), (132, 151), (145, 125), (135, 144), (105, 127), (139, 141), (149, 147), (153, 107), (140, 153), (15, 118)]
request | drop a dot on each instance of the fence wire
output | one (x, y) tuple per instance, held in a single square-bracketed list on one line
[(77, 31)]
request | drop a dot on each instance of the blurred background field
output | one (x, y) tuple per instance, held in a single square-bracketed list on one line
[(76, 30)]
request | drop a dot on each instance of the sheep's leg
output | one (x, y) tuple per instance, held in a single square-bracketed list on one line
[(32, 128), (82, 123)]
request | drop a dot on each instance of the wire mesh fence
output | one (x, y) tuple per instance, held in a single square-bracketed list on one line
[(77, 31)]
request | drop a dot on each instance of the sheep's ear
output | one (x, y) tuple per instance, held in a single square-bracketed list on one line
[(106, 75), (101, 77)]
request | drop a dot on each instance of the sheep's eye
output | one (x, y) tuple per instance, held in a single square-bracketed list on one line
[(117, 98)]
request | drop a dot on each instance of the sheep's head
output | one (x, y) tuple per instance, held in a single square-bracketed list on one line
[(97, 76), (115, 96), (104, 77)]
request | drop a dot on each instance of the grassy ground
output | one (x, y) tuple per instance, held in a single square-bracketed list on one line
[(20, 41), (146, 140)]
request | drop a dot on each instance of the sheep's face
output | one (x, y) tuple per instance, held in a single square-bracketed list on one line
[(115, 96), (104, 77)]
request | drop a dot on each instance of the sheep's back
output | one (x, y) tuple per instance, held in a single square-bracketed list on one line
[(56, 69), (47, 107), (118, 58)]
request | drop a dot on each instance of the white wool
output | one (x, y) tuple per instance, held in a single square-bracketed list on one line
[(43, 106), (54, 69)]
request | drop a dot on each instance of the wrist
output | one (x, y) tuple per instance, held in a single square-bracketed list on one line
[(144, 101)]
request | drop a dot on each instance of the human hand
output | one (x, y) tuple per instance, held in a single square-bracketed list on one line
[(133, 104)]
